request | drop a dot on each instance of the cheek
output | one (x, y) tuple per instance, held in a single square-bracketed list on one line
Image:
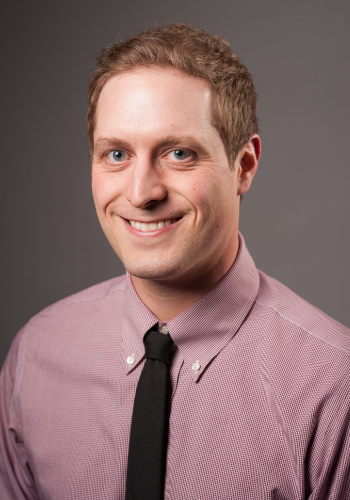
[(224, 214), (103, 190), (214, 197)]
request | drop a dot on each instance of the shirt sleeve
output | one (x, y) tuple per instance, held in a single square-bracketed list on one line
[(16, 481), (330, 454)]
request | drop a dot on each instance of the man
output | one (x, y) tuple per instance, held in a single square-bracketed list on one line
[(260, 393)]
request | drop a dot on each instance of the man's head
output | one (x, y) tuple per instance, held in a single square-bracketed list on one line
[(197, 53), (166, 189)]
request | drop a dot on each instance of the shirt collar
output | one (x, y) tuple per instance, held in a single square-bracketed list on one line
[(204, 329)]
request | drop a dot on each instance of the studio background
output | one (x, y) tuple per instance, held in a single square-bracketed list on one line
[(295, 218)]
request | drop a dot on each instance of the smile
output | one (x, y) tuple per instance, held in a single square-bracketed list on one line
[(152, 226)]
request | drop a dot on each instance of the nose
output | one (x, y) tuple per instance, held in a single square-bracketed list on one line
[(146, 184)]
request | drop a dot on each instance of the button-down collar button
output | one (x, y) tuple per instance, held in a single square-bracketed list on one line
[(165, 329), (196, 366), (130, 360)]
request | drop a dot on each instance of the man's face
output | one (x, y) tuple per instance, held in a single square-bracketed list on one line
[(165, 194)]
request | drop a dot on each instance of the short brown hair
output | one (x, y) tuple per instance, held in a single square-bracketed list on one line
[(197, 53)]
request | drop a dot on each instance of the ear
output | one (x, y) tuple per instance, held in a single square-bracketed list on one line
[(248, 159)]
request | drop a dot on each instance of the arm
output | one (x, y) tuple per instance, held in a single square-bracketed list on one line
[(329, 470), (16, 480)]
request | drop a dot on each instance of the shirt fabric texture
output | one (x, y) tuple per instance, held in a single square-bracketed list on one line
[(260, 396)]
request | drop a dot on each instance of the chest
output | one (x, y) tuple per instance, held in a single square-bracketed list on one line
[(230, 436)]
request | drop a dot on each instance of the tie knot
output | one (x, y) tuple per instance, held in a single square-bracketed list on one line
[(158, 346)]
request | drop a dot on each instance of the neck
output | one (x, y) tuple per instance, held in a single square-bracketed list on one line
[(167, 299)]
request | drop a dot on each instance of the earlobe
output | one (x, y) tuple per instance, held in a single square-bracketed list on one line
[(248, 163)]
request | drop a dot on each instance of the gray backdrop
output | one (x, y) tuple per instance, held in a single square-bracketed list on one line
[(294, 219)]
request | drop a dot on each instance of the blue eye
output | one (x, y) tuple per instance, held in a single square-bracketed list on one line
[(179, 154), (116, 156)]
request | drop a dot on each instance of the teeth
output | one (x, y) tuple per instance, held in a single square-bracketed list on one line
[(151, 226)]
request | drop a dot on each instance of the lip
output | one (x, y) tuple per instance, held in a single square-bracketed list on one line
[(154, 232)]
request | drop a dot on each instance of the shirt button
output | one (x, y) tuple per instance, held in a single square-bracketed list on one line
[(130, 360), (165, 329), (196, 366)]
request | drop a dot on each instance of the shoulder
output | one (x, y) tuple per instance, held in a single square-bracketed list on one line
[(109, 289), (85, 303), (296, 314), (76, 318), (303, 354)]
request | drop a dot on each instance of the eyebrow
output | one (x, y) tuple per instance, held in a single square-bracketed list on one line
[(168, 141), (109, 142)]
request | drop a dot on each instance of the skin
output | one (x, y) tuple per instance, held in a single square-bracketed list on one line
[(158, 157)]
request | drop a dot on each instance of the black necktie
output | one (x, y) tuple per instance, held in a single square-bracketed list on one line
[(149, 426)]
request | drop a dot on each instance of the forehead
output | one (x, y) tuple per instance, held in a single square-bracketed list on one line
[(145, 96)]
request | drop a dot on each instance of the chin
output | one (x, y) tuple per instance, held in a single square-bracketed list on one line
[(149, 274), (152, 270)]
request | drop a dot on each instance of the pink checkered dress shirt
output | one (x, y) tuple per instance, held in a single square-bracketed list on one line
[(260, 404)]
